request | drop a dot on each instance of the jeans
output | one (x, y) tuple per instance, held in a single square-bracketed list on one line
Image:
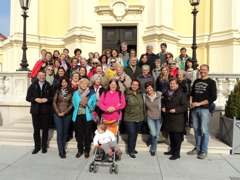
[(154, 126), (62, 124), (132, 128), (200, 117)]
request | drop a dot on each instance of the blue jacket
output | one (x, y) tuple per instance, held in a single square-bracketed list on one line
[(91, 103)]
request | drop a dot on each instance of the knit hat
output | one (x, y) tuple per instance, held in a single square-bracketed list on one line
[(96, 60), (95, 76)]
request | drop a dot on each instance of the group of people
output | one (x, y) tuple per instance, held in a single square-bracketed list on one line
[(156, 90)]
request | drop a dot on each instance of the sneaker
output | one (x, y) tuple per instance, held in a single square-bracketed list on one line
[(202, 155), (132, 156), (135, 152), (193, 152)]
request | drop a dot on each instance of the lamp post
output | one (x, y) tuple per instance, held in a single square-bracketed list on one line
[(194, 3), (25, 6)]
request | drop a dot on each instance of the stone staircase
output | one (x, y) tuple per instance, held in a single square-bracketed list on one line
[(20, 133)]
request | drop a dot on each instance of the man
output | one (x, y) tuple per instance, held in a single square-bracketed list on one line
[(124, 54), (132, 70), (40, 95), (163, 54), (173, 69), (204, 93), (181, 59), (68, 58), (151, 57)]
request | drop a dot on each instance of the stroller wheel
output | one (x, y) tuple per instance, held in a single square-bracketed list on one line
[(111, 169), (91, 167), (95, 168), (116, 169), (119, 157)]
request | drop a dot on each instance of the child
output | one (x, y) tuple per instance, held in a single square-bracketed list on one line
[(106, 139)]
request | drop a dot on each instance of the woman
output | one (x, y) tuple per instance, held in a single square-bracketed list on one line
[(83, 63), (83, 101), (104, 78), (114, 54), (56, 54), (74, 65), (62, 104), (64, 63), (174, 105), (60, 73), (124, 81), (49, 74), (192, 72), (162, 83), (144, 77), (103, 61), (169, 57), (57, 64), (111, 103), (90, 58), (95, 62), (184, 86), (133, 115), (156, 71), (83, 72), (75, 80), (96, 55), (111, 70), (143, 60), (107, 52), (153, 114)]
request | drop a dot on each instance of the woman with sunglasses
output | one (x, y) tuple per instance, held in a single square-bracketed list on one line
[(111, 71), (95, 62), (49, 74)]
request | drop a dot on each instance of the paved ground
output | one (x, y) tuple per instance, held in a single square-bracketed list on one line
[(18, 163)]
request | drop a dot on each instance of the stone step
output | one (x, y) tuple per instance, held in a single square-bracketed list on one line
[(20, 133)]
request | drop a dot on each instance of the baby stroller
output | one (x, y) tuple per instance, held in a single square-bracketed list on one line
[(100, 158)]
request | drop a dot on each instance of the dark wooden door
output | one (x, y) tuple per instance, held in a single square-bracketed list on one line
[(114, 36)]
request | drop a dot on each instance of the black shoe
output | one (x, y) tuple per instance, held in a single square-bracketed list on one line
[(174, 157), (168, 153), (64, 152), (79, 154), (152, 153), (135, 152), (44, 150), (62, 155), (132, 155), (86, 155), (147, 143), (36, 150)]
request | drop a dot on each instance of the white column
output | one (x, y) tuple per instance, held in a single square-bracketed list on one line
[(221, 100)]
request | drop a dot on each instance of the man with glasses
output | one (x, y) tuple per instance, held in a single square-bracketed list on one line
[(204, 93), (40, 94), (133, 70), (173, 69)]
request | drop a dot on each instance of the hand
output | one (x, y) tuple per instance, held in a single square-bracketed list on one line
[(172, 111), (195, 104), (44, 100), (163, 109), (117, 78), (111, 109), (44, 65), (61, 114), (119, 104), (38, 100), (122, 78)]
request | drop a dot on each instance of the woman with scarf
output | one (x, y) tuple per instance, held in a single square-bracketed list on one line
[(144, 77), (64, 63), (95, 62), (104, 78), (124, 81), (62, 104), (83, 101), (75, 80), (49, 74), (111, 71), (174, 105)]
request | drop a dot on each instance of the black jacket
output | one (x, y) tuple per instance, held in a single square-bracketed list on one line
[(133, 75), (175, 121), (34, 92)]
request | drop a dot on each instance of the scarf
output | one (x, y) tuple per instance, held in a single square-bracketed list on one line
[(84, 98), (170, 93), (96, 89), (64, 65), (113, 68), (158, 69), (64, 92), (74, 85), (145, 76)]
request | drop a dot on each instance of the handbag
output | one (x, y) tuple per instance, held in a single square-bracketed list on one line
[(94, 115)]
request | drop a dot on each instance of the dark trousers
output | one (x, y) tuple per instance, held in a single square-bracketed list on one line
[(132, 128), (83, 129), (176, 141), (62, 125), (40, 121)]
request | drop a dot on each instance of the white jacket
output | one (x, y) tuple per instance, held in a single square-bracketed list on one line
[(104, 138)]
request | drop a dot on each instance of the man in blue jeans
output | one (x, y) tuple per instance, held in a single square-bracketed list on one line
[(204, 93)]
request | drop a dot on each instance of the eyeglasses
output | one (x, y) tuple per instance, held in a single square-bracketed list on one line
[(171, 63), (94, 63), (168, 56), (49, 69), (113, 62)]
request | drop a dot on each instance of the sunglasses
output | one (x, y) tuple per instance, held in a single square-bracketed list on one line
[(94, 63), (113, 62), (171, 63)]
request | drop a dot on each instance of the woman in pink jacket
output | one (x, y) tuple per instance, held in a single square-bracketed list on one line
[(111, 103)]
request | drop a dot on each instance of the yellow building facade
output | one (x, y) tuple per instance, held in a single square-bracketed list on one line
[(54, 24)]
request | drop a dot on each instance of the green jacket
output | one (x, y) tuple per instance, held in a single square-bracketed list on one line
[(134, 110)]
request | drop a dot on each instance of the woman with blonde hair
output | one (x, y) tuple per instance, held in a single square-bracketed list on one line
[(49, 74), (83, 101), (162, 83)]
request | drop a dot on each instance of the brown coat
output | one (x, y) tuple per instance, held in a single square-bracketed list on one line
[(174, 122), (61, 105)]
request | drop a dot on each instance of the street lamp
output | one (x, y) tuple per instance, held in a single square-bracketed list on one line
[(25, 6), (194, 3)]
